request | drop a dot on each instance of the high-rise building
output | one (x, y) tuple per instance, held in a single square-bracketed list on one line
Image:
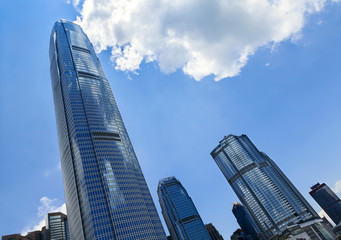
[(327, 200), (56, 227), (213, 232), (245, 221), (268, 195), (178, 210), (35, 235), (106, 193)]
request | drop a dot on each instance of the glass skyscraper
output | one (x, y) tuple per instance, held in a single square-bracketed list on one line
[(268, 195), (328, 201), (178, 210), (106, 194)]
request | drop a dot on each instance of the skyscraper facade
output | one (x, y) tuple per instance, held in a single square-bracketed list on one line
[(178, 210), (327, 200), (271, 199), (245, 221), (106, 194)]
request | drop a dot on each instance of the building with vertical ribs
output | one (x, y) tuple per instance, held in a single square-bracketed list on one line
[(106, 193), (269, 197), (180, 214)]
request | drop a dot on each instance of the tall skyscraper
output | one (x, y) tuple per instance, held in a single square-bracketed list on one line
[(245, 221), (271, 199), (106, 194), (327, 200), (178, 210)]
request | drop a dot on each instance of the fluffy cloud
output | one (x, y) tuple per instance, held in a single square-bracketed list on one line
[(46, 206), (201, 37), (74, 2), (337, 187)]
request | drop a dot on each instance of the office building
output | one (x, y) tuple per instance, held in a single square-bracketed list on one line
[(269, 197), (213, 232), (106, 193), (178, 210), (245, 221), (56, 227), (327, 200), (35, 235)]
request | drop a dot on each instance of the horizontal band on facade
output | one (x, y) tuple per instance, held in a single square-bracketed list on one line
[(88, 75), (80, 49), (106, 136), (245, 170)]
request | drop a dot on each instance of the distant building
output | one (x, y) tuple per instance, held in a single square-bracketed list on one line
[(245, 221), (12, 237), (56, 229), (239, 234), (327, 200), (213, 232), (273, 202), (180, 214), (314, 229), (35, 235)]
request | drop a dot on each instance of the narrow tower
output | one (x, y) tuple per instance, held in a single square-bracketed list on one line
[(106, 194), (328, 201), (244, 220), (178, 210), (271, 199)]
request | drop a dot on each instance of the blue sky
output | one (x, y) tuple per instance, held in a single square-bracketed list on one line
[(286, 98)]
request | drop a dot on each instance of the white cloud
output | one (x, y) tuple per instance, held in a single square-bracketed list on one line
[(337, 187), (48, 172), (75, 2), (201, 37), (46, 206)]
